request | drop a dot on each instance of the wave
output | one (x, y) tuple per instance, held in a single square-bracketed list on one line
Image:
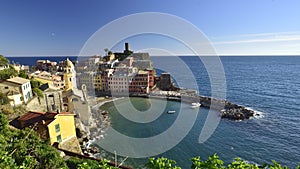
[(257, 114)]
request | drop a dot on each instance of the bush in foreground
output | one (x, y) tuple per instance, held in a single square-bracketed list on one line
[(213, 162)]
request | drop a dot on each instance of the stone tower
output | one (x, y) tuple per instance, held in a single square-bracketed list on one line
[(68, 75)]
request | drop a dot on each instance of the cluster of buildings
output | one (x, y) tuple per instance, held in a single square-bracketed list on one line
[(60, 76), (120, 73), (116, 74), (53, 119), (123, 73)]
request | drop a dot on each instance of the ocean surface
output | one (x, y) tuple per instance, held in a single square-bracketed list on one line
[(269, 85), (31, 60)]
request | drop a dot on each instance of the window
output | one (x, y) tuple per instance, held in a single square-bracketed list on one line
[(58, 138), (57, 128)]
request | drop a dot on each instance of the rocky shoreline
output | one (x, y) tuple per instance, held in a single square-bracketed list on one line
[(99, 122), (227, 109), (88, 134)]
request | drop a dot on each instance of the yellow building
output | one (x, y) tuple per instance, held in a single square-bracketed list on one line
[(97, 81), (57, 127), (43, 80), (92, 80)]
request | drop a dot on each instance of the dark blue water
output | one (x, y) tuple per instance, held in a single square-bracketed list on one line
[(270, 85), (31, 60)]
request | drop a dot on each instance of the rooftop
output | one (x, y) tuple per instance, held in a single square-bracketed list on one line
[(31, 118), (143, 72), (18, 80)]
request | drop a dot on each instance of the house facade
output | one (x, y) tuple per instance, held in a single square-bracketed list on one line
[(19, 85), (57, 127)]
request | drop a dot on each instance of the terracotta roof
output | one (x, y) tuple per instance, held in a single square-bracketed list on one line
[(31, 118), (31, 115), (47, 122)]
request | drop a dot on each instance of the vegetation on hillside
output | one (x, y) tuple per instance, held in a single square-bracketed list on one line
[(23, 74), (35, 84), (6, 73), (3, 99), (3, 61), (213, 162), (24, 149)]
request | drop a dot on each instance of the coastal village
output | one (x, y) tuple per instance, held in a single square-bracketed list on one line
[(62, 99), (64, 106)]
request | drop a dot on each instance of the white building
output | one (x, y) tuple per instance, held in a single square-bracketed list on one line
[(17, 84), (14, 97)]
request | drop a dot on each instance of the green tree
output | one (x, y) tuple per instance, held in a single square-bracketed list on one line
[(8, 73), (38, 92), (3, 60), (241, 164), (23, 74), (213, 162), (161, 163), (3, 124), (35, 83), (3, 99), (76, 163), (24, 149)]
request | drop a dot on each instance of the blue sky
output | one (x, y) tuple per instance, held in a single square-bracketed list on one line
[(235, 27)]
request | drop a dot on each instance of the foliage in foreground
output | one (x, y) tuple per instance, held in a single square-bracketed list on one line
[(213, 162), (76, 163), (24, 149)]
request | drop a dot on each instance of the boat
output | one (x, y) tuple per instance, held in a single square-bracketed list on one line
[(195, 105), (171, 111)]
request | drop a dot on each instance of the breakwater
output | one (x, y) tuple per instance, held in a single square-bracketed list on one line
[(227, 109)]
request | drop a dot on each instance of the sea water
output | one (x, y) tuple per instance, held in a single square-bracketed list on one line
[(268, 85)]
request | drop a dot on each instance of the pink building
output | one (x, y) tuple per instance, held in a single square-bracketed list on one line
[(139, 84), (58, 81)]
